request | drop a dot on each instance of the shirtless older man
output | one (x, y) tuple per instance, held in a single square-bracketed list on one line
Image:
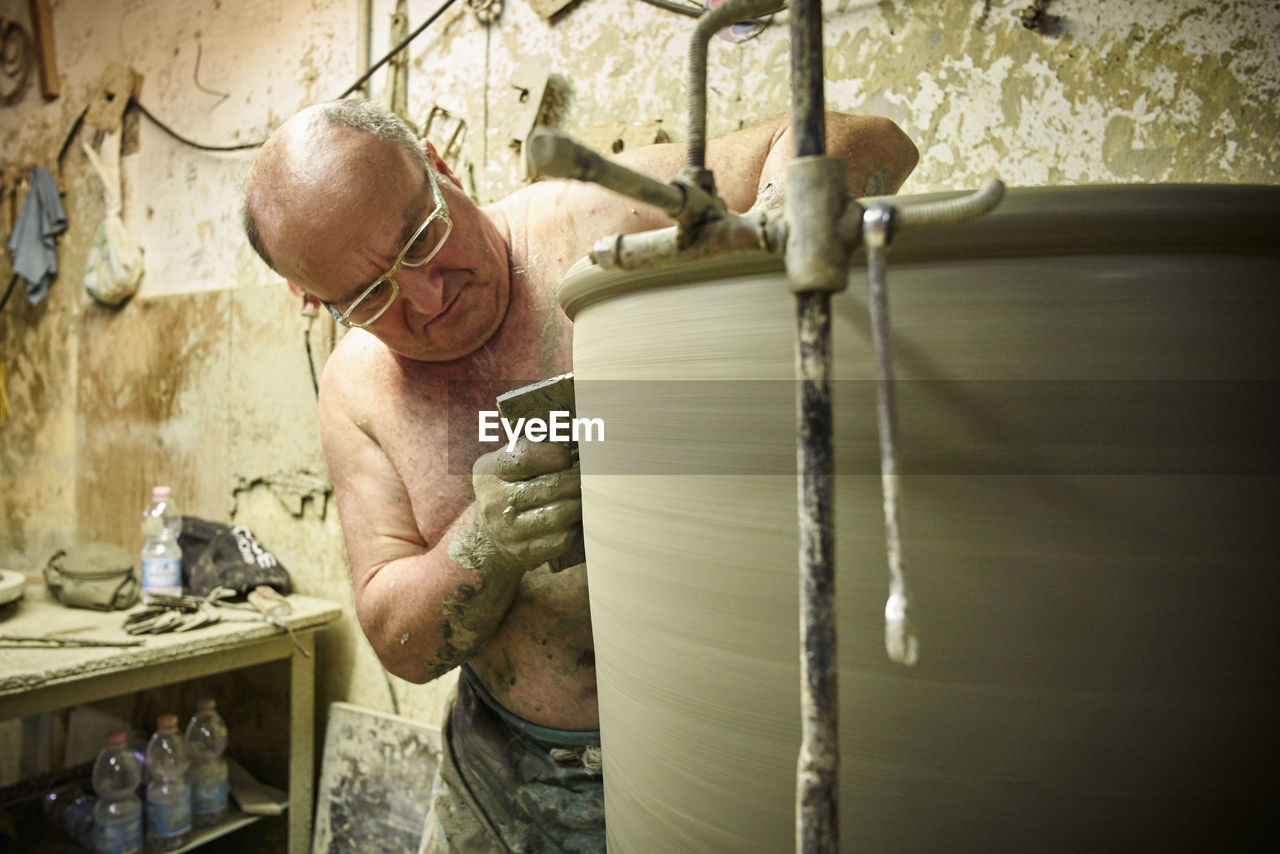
[(446, 297)]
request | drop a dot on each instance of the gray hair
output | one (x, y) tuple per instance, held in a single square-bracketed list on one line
[(374, 119)]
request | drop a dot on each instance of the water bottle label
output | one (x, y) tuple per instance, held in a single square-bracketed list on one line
[(122, 836), (209, 796), (165, 820), (162, 574)]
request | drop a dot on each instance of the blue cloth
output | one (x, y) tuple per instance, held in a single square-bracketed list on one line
[(32, 242)]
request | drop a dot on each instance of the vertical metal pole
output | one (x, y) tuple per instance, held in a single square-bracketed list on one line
[(808, 120), (817, 829)]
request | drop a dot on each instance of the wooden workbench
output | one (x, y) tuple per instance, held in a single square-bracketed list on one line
[(36, 680)]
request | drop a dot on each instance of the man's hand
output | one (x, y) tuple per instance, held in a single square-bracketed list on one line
[(528, 500)]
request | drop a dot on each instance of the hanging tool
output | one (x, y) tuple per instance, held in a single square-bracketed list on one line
[(879, 223)]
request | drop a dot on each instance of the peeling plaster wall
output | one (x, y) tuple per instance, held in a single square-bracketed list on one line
[(202, 379), (1152, 90)]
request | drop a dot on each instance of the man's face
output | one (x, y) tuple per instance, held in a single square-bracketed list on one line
[(353, 232)]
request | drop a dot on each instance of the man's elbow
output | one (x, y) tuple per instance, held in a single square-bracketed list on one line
[(906, 155), (880, 154), (402, 651), (401, 661)]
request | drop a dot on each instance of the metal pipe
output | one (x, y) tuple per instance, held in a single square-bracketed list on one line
[(808, 125), (817, 265), (879, 222), (553, 154), (900, 639), (948, 211), (710, 23), (753, 232), (817, 828)]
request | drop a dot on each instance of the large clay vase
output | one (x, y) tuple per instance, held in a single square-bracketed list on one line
[(1091, 514)]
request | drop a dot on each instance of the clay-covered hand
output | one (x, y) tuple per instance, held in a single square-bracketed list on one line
[(529, 500)]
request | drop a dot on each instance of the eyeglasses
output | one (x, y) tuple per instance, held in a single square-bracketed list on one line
[(421, 248)]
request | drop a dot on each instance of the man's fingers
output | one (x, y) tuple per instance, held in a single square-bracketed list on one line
[(553, 518), (544, 489), (526, 460), (541, 549)]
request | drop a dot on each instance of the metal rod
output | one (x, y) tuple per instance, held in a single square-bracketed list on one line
[(710, 23), (816, 825), (900, 639), (879, 222), (808, 124), (553, 154), (817, 771), (949, 211), (754, 232)]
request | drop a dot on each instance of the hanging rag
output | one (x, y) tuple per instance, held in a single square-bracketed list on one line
[(114, 265), (33, 240)]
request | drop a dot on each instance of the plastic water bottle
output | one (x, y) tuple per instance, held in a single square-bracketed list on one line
[(206, 741), (161, 556), (68, 809), (77, 822), (117, 815), (168, 793)]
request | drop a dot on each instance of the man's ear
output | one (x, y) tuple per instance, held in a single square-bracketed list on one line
[(438, 163)]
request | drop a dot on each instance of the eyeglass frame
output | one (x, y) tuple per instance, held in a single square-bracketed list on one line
[(441, 211)]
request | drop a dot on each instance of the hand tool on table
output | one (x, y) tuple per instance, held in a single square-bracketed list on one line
[(274, 608), (37, 642), (163, 614)]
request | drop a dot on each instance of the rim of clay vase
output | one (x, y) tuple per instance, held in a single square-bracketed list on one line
[(1094, 219)]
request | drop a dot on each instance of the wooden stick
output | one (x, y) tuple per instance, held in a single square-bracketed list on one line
[(6, 640), (42, 24)]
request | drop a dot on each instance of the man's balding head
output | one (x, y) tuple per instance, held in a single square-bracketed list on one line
[(304, 166)]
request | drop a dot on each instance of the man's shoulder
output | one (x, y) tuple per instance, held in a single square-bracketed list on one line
[(356, 358), (362, 367), (553, 223)]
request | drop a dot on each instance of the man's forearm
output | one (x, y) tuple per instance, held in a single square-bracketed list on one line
[(459, 592)]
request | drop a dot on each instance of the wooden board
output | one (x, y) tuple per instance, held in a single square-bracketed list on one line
[(375, 782)]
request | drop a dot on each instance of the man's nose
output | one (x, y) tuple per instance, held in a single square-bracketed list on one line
[(422, 290)]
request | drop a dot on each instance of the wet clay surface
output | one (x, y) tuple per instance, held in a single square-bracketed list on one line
[(1098, 660)]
